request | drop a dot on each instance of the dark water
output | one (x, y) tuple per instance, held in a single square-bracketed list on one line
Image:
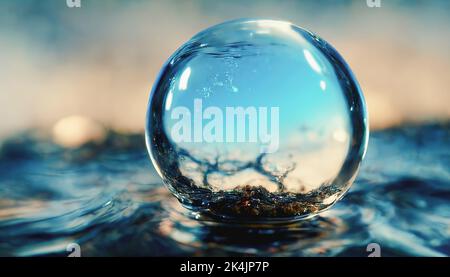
[(109, 200)]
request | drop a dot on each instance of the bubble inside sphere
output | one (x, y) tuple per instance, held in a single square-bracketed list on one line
[(257, 120)]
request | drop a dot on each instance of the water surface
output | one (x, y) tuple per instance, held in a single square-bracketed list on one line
[(107, 198)]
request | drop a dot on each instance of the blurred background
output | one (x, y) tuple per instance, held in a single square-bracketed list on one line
[(99, 62), (74, 86)]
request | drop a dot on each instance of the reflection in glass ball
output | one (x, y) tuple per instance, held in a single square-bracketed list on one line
[(257, 120)]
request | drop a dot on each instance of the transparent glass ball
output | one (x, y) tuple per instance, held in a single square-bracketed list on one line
[(257, 120)]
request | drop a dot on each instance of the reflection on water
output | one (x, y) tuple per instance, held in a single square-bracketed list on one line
[(106, 197)]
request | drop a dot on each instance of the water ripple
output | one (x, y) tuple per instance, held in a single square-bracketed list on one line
[(108, 199)]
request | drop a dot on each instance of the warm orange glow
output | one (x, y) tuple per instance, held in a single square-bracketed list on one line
[(74, 131)]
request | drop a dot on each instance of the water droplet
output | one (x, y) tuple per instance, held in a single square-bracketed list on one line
[(266, 123)]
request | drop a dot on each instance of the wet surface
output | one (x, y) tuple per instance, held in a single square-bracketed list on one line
[(107, 198)]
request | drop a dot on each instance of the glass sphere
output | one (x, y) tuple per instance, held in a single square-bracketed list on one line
[(257, 120)]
